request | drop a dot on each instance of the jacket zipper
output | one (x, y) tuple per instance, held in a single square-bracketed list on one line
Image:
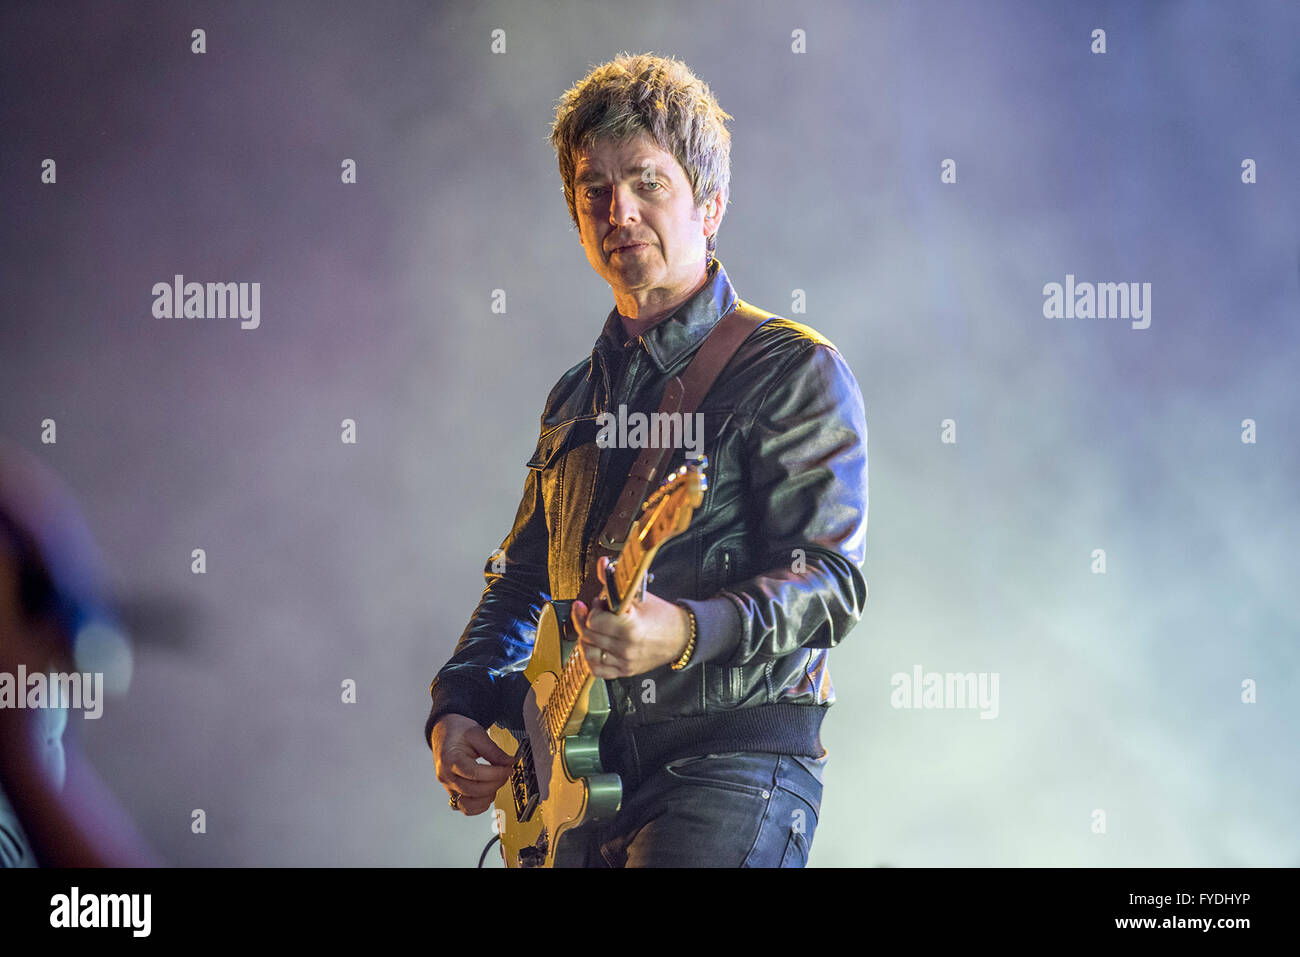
[(735, 676), (590, 529)]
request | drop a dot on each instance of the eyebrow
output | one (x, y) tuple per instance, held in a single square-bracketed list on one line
[(592, 176)]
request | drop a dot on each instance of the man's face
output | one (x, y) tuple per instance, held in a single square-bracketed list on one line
[(635, 193)]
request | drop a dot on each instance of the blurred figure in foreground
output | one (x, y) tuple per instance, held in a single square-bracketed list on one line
[(54, 810)]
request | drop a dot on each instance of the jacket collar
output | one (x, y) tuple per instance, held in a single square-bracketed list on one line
[(668, 340)]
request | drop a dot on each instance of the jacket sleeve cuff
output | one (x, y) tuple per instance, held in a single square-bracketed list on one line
[(457, 695), (717, 629)]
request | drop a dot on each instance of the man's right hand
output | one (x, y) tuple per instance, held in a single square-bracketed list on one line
[(457, 743)]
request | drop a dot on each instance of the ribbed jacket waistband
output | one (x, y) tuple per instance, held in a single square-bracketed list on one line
[(637, 752)]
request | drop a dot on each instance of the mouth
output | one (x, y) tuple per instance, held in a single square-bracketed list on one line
[(632, 247)]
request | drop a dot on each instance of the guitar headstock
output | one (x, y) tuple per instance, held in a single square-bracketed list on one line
[(665, 514), (669, 508)]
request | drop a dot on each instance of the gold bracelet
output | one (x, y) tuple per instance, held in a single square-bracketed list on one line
[(680, 663)]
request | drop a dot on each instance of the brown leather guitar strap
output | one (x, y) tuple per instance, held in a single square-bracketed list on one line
[(683, 394)]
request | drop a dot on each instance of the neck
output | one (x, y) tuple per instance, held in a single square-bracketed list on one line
[(639, 316)]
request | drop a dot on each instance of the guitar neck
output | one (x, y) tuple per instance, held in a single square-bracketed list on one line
[(629, 571), (665, 514)]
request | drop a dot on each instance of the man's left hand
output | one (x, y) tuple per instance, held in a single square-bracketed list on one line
[(647, 635)]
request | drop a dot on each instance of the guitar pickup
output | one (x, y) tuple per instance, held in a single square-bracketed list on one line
[(523, 784)]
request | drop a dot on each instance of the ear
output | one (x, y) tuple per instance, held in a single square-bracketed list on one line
[(712, 213)]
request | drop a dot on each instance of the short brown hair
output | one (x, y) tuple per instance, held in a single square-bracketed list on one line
[(652, 94)]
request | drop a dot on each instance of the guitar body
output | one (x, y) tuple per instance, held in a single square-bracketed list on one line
[(554, 789)]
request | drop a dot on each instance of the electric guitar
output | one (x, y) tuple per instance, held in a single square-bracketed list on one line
[(557, 784)]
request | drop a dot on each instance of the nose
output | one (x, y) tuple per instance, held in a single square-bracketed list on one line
[(623, 206)]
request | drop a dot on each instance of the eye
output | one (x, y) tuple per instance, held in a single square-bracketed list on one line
[(658, 186)]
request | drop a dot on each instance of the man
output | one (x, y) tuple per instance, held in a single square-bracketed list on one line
[(54, 809), (718, 680)]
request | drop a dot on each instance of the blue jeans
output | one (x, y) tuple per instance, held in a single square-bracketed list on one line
[(739, 809)]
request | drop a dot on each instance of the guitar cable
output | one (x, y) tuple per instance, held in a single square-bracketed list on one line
[(482, 857)]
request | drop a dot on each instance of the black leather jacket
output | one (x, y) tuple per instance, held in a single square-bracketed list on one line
[(770, 565)]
